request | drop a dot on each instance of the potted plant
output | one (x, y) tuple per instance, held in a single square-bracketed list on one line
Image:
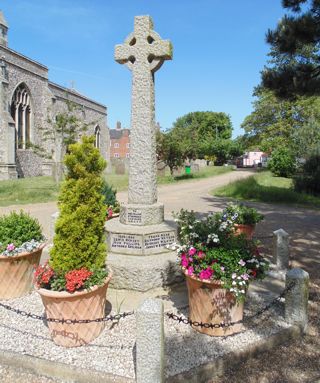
[(218, 266), (21, 244), (244, 217), (74, 282)]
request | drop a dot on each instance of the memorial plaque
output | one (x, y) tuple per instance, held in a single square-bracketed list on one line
[(159, 240), (134, 216), (126, 241)]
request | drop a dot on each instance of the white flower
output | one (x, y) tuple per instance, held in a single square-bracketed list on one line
[(234, 283)]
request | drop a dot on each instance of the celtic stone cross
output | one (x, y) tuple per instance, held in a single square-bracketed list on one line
[(143, 52)]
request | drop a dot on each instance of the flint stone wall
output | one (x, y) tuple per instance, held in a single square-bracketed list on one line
[(28, 164)]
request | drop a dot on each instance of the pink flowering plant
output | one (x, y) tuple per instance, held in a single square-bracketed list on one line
[(209, 250)]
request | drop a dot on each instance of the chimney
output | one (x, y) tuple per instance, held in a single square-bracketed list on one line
[(118, 125)]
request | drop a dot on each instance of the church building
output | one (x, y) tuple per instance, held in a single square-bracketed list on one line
[(29, 106)]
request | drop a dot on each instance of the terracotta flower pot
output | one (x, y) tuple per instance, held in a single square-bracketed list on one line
[(87, 304), (16, 273), (247, 230), (209, 303)]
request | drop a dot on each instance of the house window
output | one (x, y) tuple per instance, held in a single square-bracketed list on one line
[(116, 145), (116, 155)]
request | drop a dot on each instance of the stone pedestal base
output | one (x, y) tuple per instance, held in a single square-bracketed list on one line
[(142, 273), (139, 240), (142, 215), (139, 257)]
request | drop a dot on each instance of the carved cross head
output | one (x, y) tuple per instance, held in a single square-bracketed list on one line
[(143, 49)]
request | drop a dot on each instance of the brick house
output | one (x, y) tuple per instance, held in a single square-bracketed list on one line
[(119, 142)]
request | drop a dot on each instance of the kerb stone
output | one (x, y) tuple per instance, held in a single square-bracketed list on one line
[(296, 299), (150, 342)]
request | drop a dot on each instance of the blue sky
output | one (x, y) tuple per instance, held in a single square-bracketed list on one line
[(219, 50)]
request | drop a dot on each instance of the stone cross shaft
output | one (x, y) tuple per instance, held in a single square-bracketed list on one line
[(143, 52)]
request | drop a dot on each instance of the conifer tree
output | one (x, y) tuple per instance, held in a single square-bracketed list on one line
[(79, 232), (295, 55)]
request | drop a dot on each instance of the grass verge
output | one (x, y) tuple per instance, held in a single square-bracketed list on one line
[(43, 189), (28, 190), (263, 187)]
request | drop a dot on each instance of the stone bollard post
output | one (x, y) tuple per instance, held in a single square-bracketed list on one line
[(150, 342), (296, 299), (281, 249)]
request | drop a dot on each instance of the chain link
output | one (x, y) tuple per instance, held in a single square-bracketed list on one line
[(188, 321), (108, 318)]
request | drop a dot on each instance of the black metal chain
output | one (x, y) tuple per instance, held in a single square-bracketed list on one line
[(108, 318), (188, 321)]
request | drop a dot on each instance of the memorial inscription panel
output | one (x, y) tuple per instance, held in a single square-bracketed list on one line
[(134, 216), (154, 241), (126, 241)]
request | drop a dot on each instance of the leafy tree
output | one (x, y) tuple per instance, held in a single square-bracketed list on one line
[(275, 123), (169, 150), (224, 150), (306, 140), (295, 59), (309, 178), (197, 130), (282, 162)]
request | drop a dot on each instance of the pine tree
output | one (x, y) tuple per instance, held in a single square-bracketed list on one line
[(295, 57)]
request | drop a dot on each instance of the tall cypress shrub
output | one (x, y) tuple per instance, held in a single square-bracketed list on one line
[(79, 232)]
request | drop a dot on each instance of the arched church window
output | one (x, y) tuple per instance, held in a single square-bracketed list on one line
[(21, 113), (97, 134)]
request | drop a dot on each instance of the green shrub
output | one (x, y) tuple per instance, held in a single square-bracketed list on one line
[(282, 162), (309, 179), (79, 232), (110, 196), (18, 228)]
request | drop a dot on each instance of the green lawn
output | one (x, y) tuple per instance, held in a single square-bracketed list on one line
[(43, 189), (263, 187), (27, 190)]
